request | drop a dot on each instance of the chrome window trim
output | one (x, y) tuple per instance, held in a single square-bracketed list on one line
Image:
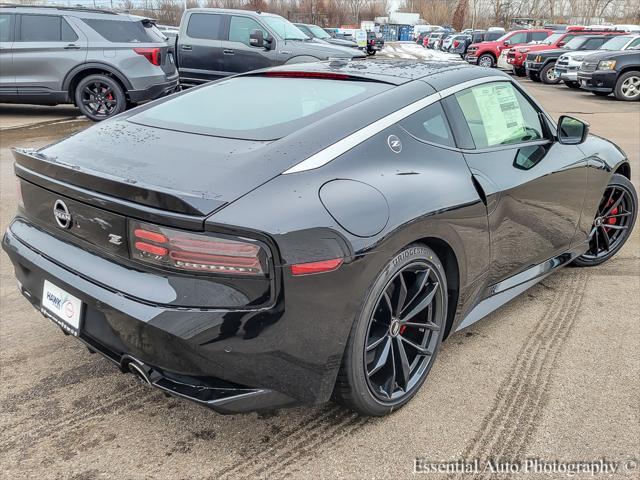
[(331, 152)]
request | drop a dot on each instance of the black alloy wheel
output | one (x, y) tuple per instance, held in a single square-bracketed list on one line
[(402, 334), (100, 97), (396, 337), (613, 224)]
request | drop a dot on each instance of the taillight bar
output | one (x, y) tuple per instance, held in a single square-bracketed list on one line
[(196, 252), (150, 53)]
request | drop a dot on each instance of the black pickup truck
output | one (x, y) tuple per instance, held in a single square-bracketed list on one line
[(612, 72), (214, 43)]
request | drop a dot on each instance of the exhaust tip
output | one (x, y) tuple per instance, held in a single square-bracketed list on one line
[(138, 372)]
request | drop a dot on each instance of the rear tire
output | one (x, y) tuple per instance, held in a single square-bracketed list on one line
[(99, 97), (628, 87), (571, 84), (548, 74), (381, 370), (613, 224)]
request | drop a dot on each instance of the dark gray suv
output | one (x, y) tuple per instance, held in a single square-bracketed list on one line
[(99, 60), (215, 43)]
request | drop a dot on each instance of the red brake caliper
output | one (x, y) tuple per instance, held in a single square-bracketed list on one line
[(611, 221), (402, 329)]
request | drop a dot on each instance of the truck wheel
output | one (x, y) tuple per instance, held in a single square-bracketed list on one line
[(628, 87), (571, 84), (371, 52), (486, 60), (533, 76), (548, 74), (99, 97)]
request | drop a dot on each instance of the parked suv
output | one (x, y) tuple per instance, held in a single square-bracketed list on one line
[(569, 63), (99, 60), (612, 72), (541, 65), (486, 54), (215, 43)]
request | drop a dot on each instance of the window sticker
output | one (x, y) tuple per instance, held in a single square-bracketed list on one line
[(500, 113)]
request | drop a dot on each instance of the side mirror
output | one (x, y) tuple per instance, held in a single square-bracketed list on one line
[(507, 43), (561, 44), (256, 38), (572, 131)]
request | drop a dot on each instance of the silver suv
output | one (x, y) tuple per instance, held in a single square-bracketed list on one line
[(99, 60)]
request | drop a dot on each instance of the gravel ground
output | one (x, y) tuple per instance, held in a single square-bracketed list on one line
[(553, 375)]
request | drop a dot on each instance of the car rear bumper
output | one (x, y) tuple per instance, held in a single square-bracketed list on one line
[(231, 361), (598, 81), (154, 91)]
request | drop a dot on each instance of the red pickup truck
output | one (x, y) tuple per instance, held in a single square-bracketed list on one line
[(486, 54), (517, 56)]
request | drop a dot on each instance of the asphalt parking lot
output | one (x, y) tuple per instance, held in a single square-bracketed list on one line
[(554, 375)]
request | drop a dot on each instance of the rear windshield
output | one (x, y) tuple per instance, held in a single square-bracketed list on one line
[(256, 107), (125, 31)]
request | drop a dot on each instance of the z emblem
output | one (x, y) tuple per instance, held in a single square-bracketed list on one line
[(115, 239), (394, 144)]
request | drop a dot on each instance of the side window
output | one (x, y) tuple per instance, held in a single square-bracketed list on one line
[(6, 27), (430, 125), (45, 28), (518, 38), (68, 34), (635, 43), (498, 114), (594, 43), (205, 26), (538, 36), (241, 27)]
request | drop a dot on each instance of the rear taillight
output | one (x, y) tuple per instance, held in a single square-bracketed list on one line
[(195, 252), (456, 43), (151, 54)]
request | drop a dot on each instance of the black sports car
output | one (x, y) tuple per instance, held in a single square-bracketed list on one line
[(311, 231)]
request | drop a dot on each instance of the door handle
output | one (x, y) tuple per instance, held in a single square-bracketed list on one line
[(186, 47), (72, 46), (226, 51)]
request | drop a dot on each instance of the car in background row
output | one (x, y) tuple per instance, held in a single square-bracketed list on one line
[(99, 60), (514, 58), (486, 54), (460, 43), (375, 43), (541, 65), (214, 43), (314, 31), (569, 63), (604, 73)]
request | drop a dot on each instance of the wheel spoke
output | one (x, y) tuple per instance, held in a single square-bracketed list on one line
[(402, 295), (429, 325), (605, 239), (424, 303), (618, 215), (616, 227), (376, 343), (402, 363), (381, 359), (418, 348)]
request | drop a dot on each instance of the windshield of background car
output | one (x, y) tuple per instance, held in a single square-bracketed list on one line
[(575, 43), (318, 32), (126, 31), (284, 28), (256, 107), (551, 39), (504, 37), (616, 43)]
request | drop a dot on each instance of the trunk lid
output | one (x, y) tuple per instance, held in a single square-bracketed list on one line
[(178, 172)]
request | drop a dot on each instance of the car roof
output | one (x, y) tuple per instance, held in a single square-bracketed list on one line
[(252, 13), (394, 71), (80, 12)]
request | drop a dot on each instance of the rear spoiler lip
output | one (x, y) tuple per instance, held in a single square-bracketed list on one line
[(37, 168)]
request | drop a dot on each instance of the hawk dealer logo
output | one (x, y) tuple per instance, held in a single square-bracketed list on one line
[(394, 143)]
